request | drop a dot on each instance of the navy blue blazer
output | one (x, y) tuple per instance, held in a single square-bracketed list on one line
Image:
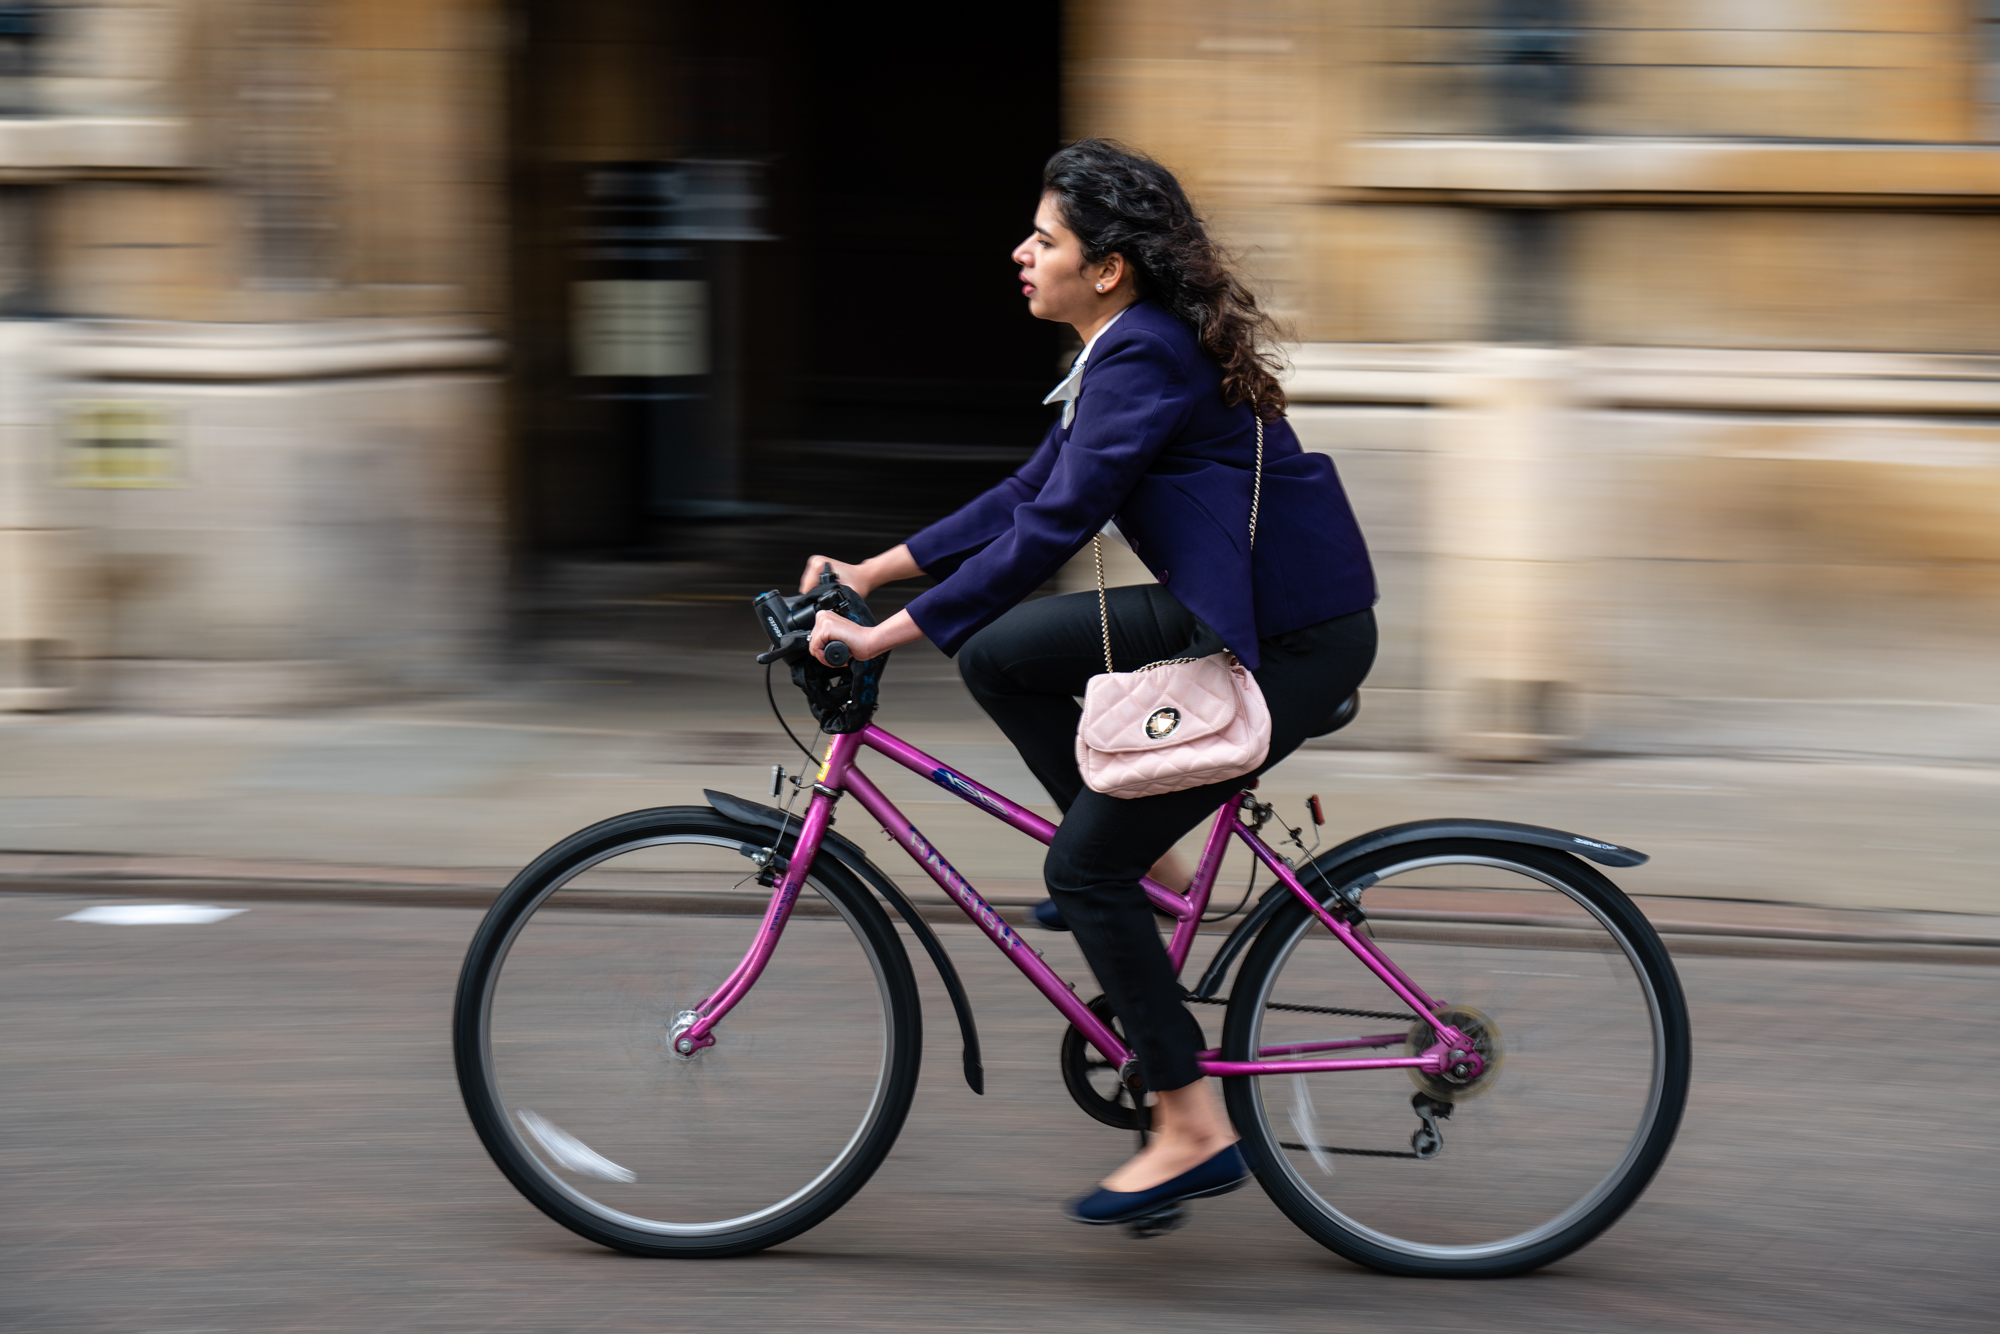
[(1153, 445)]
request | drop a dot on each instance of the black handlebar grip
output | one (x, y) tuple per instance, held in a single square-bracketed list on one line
[(837, 653)]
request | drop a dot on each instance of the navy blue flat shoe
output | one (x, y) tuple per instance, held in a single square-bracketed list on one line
[(1218, 1176)]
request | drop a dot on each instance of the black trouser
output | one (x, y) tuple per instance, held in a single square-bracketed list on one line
[(1026, 670)]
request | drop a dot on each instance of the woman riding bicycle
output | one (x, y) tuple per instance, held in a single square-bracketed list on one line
[(1159, 434)]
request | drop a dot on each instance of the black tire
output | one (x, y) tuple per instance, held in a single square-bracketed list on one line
[(1590, 1061), (561, 1019)]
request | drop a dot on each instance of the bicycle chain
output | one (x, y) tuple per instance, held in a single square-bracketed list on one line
[(1327, 1009), (1352, 1153), (1309, 1009)]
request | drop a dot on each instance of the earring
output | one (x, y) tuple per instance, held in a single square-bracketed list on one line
[(1100, 287)]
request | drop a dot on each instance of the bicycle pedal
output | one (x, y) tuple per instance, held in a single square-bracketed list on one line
[(1157, 1224)]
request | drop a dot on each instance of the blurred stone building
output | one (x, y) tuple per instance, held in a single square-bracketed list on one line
[(249, 427), (1656, 340)]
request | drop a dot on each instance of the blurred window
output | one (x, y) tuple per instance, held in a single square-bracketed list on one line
[(285, 143), (1989, 67), (20, 27)]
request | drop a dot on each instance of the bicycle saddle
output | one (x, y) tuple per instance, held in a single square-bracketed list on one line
[(1343, 714)]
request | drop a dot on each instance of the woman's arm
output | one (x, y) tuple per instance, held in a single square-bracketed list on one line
[(863, 641), (951, 539), (945, 545), (1136, 395), (893, 564)]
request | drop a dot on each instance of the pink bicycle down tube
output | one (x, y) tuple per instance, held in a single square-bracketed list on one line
[(838, 776)]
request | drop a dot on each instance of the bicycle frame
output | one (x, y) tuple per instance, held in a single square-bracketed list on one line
[(838, 776)]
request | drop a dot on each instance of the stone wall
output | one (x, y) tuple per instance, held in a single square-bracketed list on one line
[(1654, 341), (254, 459)]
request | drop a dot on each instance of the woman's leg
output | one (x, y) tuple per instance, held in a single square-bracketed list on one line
[(1304, 674), (1093, 869), (1025, 670), (1028, 668)]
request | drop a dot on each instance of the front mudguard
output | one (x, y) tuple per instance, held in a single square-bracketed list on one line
[(843, 850)]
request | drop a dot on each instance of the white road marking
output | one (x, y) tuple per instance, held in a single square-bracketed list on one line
[(152, 914)]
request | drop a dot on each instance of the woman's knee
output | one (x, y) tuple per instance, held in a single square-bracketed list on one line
[(1064, 872), (980, 663), (1092, 865)]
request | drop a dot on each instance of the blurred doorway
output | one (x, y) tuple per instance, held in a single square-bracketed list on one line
[(833, 332)]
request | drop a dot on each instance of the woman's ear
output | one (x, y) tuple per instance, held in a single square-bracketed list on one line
[(1110, 273)]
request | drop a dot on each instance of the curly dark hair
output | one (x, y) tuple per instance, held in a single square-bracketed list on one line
[(1119, 202)]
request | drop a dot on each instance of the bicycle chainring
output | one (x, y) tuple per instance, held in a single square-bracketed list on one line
[(1096, 1086)]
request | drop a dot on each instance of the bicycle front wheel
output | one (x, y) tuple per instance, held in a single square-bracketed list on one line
[(565, 1017), (1570, 998)]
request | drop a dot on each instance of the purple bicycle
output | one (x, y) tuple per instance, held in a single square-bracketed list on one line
[(660, 1076)]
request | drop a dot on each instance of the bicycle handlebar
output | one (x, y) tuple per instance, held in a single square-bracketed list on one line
[(841, 689), (788, 621)]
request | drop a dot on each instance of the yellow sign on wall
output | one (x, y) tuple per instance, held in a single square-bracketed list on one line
[(640, 327), (120, 444)]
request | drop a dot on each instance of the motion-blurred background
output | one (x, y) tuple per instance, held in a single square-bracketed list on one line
[(349, 345)]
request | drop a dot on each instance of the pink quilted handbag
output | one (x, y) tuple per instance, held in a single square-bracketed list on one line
[(1174, 724)]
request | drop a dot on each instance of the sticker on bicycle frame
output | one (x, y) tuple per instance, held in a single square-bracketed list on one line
[(1162, 723), (964, 787), (960, 889)]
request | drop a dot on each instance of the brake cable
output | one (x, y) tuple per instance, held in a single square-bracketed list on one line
[(778, 713)]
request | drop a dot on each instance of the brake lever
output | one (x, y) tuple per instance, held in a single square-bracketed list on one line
[(795, 646), (788, 650)]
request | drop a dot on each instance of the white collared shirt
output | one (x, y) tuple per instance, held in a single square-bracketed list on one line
[(1066, 392)]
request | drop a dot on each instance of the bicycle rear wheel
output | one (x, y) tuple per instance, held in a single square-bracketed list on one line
[(1575, 1006), (572, 987)]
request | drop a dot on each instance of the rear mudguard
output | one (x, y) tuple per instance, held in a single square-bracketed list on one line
[(1326, 867), (842, 850)]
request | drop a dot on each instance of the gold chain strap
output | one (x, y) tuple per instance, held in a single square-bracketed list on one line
[(1103, 612), (1097, 551), (1257, 479)]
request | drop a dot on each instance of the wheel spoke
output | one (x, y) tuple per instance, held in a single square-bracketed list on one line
[(574, 1007), (1571, 1010)]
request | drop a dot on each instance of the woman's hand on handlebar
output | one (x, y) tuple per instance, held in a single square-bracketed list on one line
[(865, 578), (863, 641), (854, 576)]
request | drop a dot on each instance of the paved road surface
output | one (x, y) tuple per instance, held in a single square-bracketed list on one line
[(252, 1126)]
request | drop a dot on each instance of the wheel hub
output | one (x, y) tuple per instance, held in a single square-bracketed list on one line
[(1470, 1067), (679, 1045)]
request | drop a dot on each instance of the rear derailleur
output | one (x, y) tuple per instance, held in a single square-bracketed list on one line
[(1427, 1140)]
